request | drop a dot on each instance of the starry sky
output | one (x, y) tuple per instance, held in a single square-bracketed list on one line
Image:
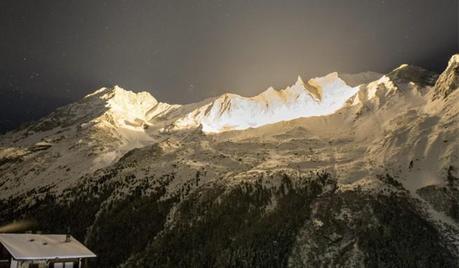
[(56, 51)]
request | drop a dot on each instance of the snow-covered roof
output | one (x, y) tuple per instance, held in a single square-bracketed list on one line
[(43, 247)]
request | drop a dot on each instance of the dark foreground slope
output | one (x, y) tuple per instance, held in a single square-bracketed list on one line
[(278, 218)]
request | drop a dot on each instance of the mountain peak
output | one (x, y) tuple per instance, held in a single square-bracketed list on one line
[(121, 95), (454, 59), (127, 108), (402, 66), (449, 79), (299, 81), (298, 87)]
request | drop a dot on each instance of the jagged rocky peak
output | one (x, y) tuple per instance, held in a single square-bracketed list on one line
[(299, 81), (299, 84), (449, 79), (118, 97), (91, 107), (127, 108), (314, 87), (290, 92), (130, 103)]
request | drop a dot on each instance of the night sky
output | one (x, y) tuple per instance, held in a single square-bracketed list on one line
[(54, 52)]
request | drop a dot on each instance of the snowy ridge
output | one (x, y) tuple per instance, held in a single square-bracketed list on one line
[(320, 96)]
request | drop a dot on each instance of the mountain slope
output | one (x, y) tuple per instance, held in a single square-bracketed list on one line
[(77, 139)]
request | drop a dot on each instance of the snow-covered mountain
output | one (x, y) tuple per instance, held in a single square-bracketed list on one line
[(341, 170), (79, 138)]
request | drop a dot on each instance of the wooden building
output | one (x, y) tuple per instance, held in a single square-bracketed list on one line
[(42, 251)]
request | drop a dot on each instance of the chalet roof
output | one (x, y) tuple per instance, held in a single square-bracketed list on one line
[(43, 247)]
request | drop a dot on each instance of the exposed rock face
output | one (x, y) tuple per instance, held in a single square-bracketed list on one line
[(372, 184)]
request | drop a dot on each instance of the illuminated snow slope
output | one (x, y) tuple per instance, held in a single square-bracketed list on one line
[(320, 96), (131, 110)]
